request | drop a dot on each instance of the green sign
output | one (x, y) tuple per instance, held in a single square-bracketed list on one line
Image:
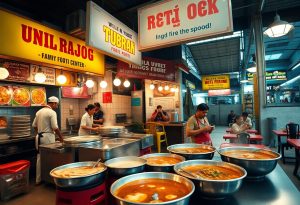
[(274, 75), (135, 101)]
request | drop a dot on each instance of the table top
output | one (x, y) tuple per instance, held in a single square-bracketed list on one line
[(252, 137), (260, 146), (275, 189), (280, 133), (250, 131), (294, 142)]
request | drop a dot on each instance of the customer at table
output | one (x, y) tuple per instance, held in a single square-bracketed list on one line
[(159, 115), (247, 119), (230, 117), (198, 127), (86, 124), (98, 115), (239, 126)]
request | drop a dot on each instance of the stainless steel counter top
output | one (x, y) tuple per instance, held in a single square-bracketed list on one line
[(275, 189)]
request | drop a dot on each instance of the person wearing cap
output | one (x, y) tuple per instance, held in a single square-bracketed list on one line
[(45, 125), (87, 123), (198, 127), (98, 115)]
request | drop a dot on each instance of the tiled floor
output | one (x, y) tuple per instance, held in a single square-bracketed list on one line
[(45, 194)]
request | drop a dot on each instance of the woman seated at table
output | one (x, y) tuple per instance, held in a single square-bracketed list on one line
[(239, 126), (86, 124), (159, 115)]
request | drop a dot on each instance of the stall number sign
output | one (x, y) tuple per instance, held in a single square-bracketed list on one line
[(215, 82), (174, 22), (275, 75)]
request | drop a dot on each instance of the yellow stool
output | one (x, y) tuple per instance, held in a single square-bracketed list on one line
[(158, 130)]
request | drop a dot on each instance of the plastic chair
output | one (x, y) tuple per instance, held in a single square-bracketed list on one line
[(243, 138), (292, 132), (158, 130)]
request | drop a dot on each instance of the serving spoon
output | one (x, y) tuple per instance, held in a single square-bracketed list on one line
[(189, 173), (96, 163)]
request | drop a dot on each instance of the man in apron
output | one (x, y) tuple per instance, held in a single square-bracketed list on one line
[(198, 127), (45, 125)]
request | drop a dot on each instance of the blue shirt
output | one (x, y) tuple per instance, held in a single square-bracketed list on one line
[(98, 115)]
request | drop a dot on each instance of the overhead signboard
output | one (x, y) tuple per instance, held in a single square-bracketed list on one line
[(274, 75), (152, 68), (219, 92), (26, 39), (215, 82), (173, 22), (111, 36)]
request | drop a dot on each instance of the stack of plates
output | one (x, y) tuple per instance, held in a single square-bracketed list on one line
[(4, 136), (20, 126), (107, 130)]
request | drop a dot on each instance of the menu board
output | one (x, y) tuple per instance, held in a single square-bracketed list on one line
[(49, 72), (5, 95), (71, 78), (18, 71), (75, 92), (38, 96), (21, 96)]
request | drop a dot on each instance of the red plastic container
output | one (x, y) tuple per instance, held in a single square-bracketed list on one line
[(14, 179)]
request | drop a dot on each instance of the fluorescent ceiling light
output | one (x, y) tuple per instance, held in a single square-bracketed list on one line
[(290, 81), (244, 81), (295, 66), (273, 56)]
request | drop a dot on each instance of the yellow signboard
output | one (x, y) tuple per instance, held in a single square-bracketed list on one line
[(215, 82), (29, 40)]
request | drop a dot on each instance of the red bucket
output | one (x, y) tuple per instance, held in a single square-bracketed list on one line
[(14, 167)]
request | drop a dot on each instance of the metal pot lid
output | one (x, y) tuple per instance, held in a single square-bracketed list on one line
[(82, 139)]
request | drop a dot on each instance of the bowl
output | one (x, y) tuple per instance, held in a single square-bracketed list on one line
[(216, 189), (158, 167), (122, 166), (81, 181), (256, 168), (188, 156), (153, 175)]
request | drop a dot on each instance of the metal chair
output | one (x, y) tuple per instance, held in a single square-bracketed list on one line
[(158, 131), (243, 138), (292, 132)]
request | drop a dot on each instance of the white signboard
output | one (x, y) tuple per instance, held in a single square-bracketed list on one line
[(172, 22), (109, 35)]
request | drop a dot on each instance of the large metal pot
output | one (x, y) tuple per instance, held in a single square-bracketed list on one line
[(161, 168), (216, 189), (256, 168), (123, 171), (73, 182), (188, 156), (153, 175)]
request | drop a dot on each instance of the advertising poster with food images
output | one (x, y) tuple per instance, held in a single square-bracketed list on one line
[(21, 96), (49, 72), (38, 96), (5, 95), (18, 71)]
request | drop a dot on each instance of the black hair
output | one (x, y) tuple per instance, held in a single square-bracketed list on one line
[(245, 114), (158, 107), (89, 107), (202, 107), (97, 104), (237, 117)]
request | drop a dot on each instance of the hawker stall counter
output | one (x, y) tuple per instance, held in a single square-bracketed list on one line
[(275, 189)]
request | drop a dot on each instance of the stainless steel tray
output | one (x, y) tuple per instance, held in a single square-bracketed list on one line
[(147, 140), (82, 139)]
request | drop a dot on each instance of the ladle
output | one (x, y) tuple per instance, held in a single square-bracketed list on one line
[(96, 163)]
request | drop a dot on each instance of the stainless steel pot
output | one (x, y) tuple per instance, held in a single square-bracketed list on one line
[(161, 168), (189, 156), (150, 175), (123, 171), (73, 182), (256, 168), (213, 188)]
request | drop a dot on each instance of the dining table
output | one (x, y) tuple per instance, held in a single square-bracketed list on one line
[(296, 144), (233, 137), (280, 134), (250, 131)]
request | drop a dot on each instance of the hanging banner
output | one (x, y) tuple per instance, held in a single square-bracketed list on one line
[(219, 92), (215, 82), (29, 40), (152, 68), (173, 22), (273, 75), (75, 92), (111, 36)]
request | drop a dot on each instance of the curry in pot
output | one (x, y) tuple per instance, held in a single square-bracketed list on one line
[(152, 191), (76, 171), (213, 172), (162, 161), (192, 150), (250, 154)]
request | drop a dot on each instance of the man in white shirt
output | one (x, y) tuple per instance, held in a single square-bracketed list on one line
[(247, 120), (45, 125)]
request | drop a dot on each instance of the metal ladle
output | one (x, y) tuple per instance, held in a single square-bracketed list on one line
[(96, 163)]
